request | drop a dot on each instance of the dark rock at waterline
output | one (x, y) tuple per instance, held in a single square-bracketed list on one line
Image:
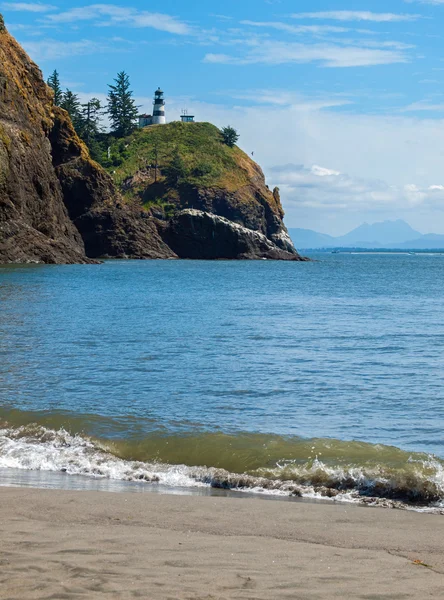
[(200, 235)]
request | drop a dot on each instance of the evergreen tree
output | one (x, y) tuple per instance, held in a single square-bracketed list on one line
[(54, 83), (230, 136), (91, 116), (122, 109), (71, 103)]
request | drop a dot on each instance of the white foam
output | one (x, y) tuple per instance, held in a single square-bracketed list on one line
[(76, 455), (39, 449)]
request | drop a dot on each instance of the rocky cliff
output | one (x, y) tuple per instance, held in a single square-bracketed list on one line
[(208, 200), (109, 226), (34, 222), (172, 192), (55, 202)]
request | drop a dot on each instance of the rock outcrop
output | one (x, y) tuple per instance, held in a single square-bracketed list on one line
[(34, 222), (56, 204), (110, 228), (59, 206), (201, 235), (209, 200)]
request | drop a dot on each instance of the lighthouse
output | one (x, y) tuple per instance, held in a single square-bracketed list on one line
[(159, 108)]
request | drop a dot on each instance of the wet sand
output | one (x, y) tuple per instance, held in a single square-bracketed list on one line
[(67, 545)]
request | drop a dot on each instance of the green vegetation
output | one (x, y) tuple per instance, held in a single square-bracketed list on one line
[(2, 23), (71, 103), (230, 135), (90, 127), (87, 118), (54, 83), (159, 163), (122, 109), (176, 172)]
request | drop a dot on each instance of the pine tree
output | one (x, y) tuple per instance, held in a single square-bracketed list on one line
[(54, 83), (71, 103), (91, 117), (122, 108), (230, 136)]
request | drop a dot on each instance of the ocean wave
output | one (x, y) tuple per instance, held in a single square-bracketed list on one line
[(413, 482)]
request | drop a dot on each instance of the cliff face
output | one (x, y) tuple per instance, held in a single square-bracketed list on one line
[(109, 227), (174, 191), (55, 202), (34, 224), (184, 175)]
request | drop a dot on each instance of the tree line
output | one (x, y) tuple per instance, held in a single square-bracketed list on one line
[(121, 109), (87, 117)]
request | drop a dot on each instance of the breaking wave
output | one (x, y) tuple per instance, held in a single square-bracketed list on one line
[(329, 469)]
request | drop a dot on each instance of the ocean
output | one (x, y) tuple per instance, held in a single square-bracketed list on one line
[(319, 380)]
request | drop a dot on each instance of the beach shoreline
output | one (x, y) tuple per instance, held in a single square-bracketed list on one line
[(70, 544)]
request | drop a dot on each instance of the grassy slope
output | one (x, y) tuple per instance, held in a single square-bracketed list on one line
[(208, 161)]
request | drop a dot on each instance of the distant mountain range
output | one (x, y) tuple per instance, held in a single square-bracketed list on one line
[(388, 234)]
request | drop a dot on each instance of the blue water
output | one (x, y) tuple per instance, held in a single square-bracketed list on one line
[(349, 347)]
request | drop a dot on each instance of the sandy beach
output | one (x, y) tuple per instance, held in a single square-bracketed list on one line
[(65, 545)]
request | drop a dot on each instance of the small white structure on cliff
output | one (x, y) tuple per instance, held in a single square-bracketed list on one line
[(158, 116), (186, 118)]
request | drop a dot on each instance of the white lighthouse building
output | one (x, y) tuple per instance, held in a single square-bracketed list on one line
[(159, 108), (158, 116)]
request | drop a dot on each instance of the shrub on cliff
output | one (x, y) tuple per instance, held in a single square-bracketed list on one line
[(176, 171), (230, 136)]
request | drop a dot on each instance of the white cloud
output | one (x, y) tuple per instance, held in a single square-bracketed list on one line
[(314, 29), (49, 49), (323, 189), (356, 15), (357, 167), (328, 55), (424, 106), (110, 14), (292, 99), (323, 172), (27, 7)]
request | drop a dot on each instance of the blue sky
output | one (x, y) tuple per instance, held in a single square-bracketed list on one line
[(341, 101)]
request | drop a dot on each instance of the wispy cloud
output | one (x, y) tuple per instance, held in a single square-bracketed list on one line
[(315, 29), (356, 15), (327, 55), (110, 14), (48, 49), (293, 100), (28, 7), (423, 107)]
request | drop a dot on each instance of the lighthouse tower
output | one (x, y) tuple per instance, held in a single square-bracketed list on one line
[(159, 108)]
